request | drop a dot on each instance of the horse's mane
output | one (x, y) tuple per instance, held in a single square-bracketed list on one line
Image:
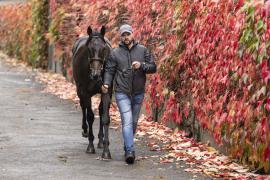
[(108, 42)]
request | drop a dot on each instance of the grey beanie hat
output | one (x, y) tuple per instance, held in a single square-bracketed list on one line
[(125, 28)]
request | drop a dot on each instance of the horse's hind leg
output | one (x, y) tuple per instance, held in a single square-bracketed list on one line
[(100, 134), (90, 120)]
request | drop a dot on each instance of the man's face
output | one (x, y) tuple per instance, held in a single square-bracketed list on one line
[(127, 38)]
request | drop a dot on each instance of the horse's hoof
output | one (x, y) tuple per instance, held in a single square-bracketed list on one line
[(90, 150), (106, 155), (85, 134), (100, 145)]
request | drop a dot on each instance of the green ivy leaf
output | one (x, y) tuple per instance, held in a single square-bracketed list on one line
[(251, 14), (260, 27)]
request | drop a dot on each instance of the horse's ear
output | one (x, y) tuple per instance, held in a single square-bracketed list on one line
[(103, 31), (89, 31)]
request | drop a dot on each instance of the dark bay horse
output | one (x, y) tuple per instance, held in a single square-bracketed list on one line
[(88, 60)]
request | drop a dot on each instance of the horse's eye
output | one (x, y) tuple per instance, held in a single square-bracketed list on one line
[(103, 52)]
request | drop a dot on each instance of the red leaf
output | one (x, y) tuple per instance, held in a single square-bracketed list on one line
[(267, 105), (267, 154), (264, 125), (186, 111), (223, 117), (147, 108), (240, 4), (265, 72)]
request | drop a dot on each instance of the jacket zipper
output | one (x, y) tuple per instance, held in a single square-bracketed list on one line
[(131, 78)]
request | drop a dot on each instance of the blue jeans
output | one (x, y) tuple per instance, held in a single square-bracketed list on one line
[(129, 108)]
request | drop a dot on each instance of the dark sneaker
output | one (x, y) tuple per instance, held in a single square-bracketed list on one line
[(130, 157)]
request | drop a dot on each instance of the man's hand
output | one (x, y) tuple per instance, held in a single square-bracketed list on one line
[(104, 88), (136, 65)]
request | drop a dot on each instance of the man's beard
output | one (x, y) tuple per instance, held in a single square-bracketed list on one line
[(128, 42)]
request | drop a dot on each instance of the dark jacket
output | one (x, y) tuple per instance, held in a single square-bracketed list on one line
[(118, 66)]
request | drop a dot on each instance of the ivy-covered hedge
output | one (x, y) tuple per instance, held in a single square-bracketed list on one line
[(224, 68)]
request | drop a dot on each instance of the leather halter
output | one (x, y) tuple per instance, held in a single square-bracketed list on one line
[(99, 78)]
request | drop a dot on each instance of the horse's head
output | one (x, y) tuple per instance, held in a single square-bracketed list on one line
[(98, 50)]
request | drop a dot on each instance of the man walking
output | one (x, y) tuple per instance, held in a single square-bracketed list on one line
[(128, 65)]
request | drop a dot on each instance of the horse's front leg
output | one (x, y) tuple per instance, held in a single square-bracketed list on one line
[(106, 100), (90, 120), (100, 134)]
